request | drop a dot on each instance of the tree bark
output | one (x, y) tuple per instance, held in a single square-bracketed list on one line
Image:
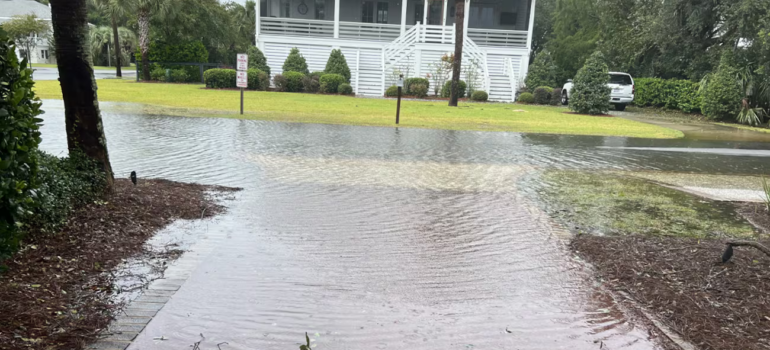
[(459, 40), (118, 72), (144, 42), (85, 133)]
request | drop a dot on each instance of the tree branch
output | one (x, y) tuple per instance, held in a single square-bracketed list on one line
[(752, 244)]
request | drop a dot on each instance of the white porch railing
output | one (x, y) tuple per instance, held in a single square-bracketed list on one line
[(436, 34), (496, 37), (369, 31), (296, 27), (508, 70)]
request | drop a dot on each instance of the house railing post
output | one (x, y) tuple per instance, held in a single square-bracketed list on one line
[(336, 19), (403, 16)]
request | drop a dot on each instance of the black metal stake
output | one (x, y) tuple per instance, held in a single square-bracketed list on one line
[(241, 101)]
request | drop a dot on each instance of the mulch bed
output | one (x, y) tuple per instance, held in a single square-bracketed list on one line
[(591, 115), (56, 291), (683, 283)]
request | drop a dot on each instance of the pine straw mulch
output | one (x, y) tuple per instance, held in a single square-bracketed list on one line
[(56, 291), (684, 284)]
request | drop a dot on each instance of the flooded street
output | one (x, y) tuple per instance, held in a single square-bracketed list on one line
[(384, 238)]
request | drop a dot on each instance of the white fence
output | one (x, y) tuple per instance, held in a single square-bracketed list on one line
[(496, 37)]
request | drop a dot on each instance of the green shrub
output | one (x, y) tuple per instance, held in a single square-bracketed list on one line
[(257, 79), (338, 65), (447, 89), (157, 73), (311, 84), (293, 81), (669, 93), (316, 75), (722, 96), (257, 60), (543, 95), (280, 82), (65, 183), (392, 91), (555, 97), (295, 63), (19, 138), (186, 52), (218, 78), (590, 93), (345, 89), (179, 76), (408, 83), (419, 90), (542, 72), (331, 82), (526, 98), (480, 96)]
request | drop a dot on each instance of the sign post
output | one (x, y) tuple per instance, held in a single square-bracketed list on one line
[(400, 85), (241, 77)]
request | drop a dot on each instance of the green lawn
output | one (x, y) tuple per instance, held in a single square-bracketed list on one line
[(194, 100), (45, 65)]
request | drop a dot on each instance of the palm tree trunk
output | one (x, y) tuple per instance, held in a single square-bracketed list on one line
[(459, 39), (144, 42), (118, 73), (85, 133)]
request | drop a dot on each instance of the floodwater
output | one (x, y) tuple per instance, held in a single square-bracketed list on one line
[(385, 238), (53, 73)]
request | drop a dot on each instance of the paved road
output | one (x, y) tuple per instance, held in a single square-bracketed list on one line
[(53, 73)]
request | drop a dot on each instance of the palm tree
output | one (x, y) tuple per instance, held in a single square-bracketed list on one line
[(145, 9), (115, 9), (85, 135)]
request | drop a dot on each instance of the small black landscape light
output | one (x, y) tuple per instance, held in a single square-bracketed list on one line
[(133, 177), (728, 254)]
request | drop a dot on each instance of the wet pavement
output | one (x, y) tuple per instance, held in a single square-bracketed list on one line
[(384, 238), (53, 73)]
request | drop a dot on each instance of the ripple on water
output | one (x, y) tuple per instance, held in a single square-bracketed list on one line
[(378, 237)]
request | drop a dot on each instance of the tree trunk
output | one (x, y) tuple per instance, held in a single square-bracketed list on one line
[(144, 42), (458, 62), (83, 120), (118, 72)]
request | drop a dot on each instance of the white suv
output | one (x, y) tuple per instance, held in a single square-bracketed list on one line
[(622, 93)]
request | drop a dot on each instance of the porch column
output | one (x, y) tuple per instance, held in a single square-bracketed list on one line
[(425, 13), (256, 35), (403, 16), (531, 25), (443, 23), (336, 19), (467, 15)]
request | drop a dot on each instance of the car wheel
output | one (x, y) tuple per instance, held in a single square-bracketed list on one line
[(564, 98), (620, 107)]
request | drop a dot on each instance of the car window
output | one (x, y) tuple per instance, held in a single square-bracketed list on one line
[(620, 79)]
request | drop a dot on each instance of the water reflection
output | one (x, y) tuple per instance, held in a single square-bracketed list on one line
[(382, 238)]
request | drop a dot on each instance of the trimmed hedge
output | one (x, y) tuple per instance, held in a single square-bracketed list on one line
[(345, 89), (543, 95), (669, 93), (293, 81), (280, 82), (330, 83), (218, 78), (480, 96), (310, 84), (526, 98), (412, 81), (555, 97), (447, 89), (392, 91), (419, 90), (188, 52), (338, 65)]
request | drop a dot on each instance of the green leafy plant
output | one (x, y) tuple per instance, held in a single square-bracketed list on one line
[(722, 93), (179, 76), (218, 78), (307, 343), (555, 97), (257, 60), (280, 82), (419, 90), (447, 89), (293, 81), (543, 95), (677, 94), (345, 89), (408, 83), (750, 116), (311, 84), (164, 54), (338, 65), (295, 62), (19, 139), (392, 91), (257, 79), (590, 93), (480, 96), (526, 98), (542, 72), (157, 73), (331, 82)]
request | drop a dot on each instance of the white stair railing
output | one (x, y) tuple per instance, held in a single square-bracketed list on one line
[(508, 70), (472, 51), (398, 48)]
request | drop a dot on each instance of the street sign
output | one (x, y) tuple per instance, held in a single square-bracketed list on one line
[(241, 79), (243, 61)]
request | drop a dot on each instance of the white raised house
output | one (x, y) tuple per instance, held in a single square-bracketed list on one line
[(11, 8), (380, 37)]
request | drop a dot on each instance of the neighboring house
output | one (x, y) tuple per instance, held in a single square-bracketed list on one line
[(11, 8), (378, 37)]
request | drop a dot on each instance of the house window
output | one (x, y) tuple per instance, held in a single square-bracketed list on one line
[(285, 8), (508, 18), (418, 8), (44, 54), (382, 12), (320, 9), (367, 12)]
